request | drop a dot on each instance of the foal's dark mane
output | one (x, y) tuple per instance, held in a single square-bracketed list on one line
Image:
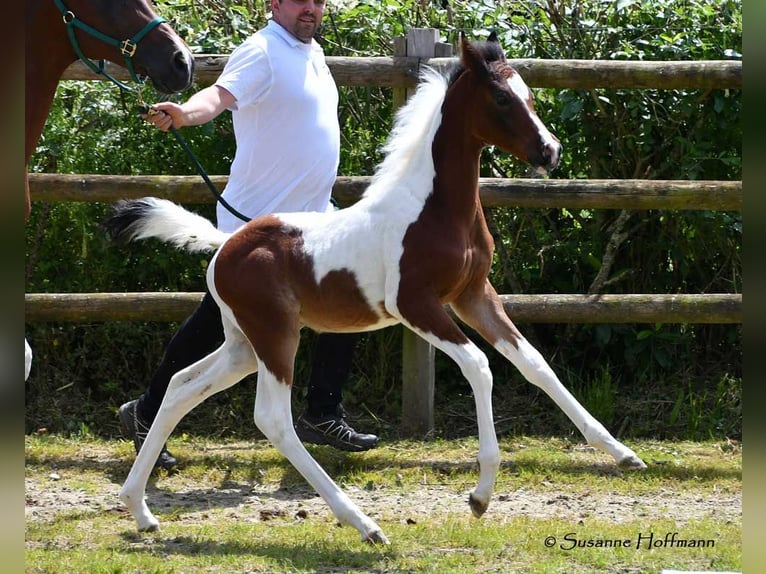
[(490, 51)]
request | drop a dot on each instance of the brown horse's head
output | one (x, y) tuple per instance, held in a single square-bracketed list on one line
[(152, 48)]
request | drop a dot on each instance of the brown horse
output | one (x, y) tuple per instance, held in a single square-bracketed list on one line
[(416, 241), (127, 32)]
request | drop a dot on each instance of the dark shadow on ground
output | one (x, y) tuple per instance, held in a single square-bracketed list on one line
[(292, 556), (341, 465)]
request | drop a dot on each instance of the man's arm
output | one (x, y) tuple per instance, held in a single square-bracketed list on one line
[(201, 108)]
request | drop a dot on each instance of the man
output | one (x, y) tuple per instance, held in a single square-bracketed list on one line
[(284, 106)]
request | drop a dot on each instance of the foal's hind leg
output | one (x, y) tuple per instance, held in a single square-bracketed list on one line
[(484, 312), (221, 369), (276, 343), (272, 415)]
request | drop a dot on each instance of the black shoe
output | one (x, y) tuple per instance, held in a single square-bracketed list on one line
[(333, 430), (135, 428)]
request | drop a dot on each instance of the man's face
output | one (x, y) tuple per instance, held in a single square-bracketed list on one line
[(299, 17)]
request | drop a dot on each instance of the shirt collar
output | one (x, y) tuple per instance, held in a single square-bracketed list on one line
[(288, 37)]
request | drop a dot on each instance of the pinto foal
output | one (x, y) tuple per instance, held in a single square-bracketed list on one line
[(416, 241)]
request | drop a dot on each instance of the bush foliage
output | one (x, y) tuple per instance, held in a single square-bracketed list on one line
[(652, 380)]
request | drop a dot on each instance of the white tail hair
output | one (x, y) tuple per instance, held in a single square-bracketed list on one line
[(132, 220)]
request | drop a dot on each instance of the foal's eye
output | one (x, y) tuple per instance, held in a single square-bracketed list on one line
[(502, 99)]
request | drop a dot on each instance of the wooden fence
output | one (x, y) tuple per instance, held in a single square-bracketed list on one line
[(400, 72)]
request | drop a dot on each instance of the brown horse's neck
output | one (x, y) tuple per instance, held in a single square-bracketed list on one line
[(47, 55), (456, 154)]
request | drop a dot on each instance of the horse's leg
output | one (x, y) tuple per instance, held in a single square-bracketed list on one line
[(429, 320), (221, 369), (28, 208), (273, 417), (483, 310), (27, 359)]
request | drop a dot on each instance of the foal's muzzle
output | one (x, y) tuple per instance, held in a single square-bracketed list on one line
[(551, 155)]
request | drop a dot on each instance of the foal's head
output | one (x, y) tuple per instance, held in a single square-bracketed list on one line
[(502, 110)]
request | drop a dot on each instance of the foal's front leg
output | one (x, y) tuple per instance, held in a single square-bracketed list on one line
[(483, 310), (429, 320)]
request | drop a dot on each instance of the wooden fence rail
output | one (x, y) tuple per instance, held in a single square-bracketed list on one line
[(495, 192), (634, 308), (402, 72)]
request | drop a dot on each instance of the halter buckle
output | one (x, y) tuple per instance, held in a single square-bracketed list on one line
[(69, 17), (128, 48)]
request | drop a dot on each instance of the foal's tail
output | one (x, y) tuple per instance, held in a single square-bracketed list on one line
[(136, 219)]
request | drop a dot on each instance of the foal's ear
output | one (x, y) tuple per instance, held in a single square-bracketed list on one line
[(472, 59), (493, 37)]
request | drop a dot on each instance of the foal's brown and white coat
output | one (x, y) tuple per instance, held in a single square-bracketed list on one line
[(415, 242)]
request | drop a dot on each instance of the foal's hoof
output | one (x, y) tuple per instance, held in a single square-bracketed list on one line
[(478, 508), (149, 525), (377, 537), (632, 462)]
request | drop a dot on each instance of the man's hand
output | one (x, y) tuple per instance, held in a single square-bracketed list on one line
[(164, 115)]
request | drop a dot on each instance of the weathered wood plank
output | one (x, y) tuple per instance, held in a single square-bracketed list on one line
[(418, 385), (612, 194), (97, 307), (495, 192), (633, 308), (418, 365), (110, 188), (575, 74), (589, 74)]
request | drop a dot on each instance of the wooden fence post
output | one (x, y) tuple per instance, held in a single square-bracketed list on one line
[(417, 355)]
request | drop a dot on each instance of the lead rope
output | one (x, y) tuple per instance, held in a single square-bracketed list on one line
[(144, 109), (128, 49)]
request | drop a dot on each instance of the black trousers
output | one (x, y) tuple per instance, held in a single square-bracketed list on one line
[(202, 333)]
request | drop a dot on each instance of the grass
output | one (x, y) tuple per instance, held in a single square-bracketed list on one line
[(231, 507)]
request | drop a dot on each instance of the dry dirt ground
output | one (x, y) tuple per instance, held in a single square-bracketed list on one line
[(47, 496)]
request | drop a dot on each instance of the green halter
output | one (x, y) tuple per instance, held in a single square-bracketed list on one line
[(127, 46)]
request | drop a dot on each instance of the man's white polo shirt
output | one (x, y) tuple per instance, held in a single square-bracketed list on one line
[(286, 127)]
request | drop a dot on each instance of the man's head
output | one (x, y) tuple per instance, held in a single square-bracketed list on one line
[(299, 17)]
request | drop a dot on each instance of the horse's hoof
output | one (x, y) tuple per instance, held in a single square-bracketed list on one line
[(150, 526), (478, 508), (632, 462), (377, 537)]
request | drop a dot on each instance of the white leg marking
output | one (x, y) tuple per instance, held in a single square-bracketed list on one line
[(474, 365), (189, 387), (274, 418), (27, 359), (534, 368)]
